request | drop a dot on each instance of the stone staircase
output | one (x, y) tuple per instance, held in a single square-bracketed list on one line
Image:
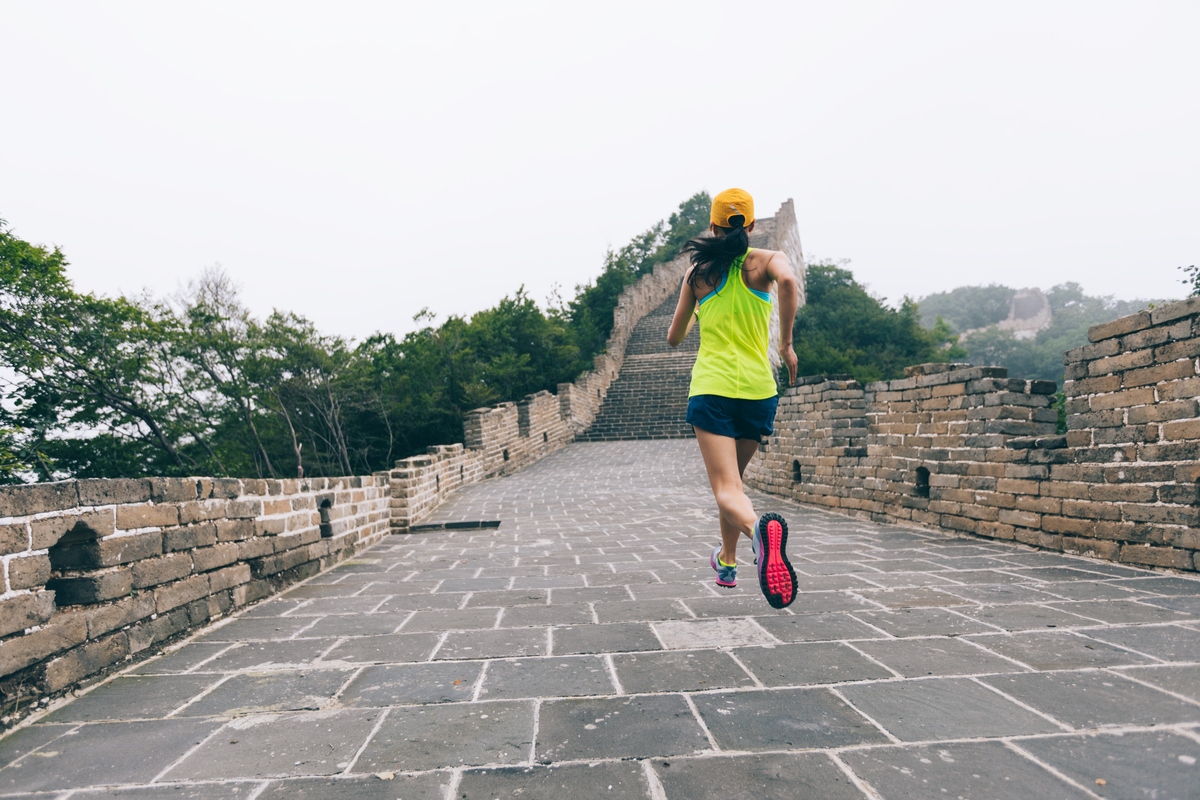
[(648, 400)]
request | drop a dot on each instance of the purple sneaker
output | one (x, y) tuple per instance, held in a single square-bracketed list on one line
[(726, 576)]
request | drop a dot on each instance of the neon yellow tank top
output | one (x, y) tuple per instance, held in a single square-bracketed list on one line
[(734, 333)]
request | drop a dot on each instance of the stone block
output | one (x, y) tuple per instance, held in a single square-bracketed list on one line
[(1125, 399), (229, 577), (147, 516), (63, 632), (50, 531), (25, 611), (1156, 556), (14, 538), (1093, 548), (1120, 327), (38, 498), (210, 558), (113, 491), (189, 537), (173, 490), (86, 589), (235, 530), (1164, 412), (86, 660), (226, 488), (1176, 370), (109, 552), (118, 614), (180, 593), (155, 571), (1173, 311), (1187, 429), (28, 572)]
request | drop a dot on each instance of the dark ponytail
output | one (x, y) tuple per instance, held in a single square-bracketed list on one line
[(712, 256)]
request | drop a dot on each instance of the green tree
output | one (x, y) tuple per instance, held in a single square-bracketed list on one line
[(967, 307), (590, 313), (842, 329)]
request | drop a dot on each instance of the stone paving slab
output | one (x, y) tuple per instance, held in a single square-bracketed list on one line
[(582, 645)]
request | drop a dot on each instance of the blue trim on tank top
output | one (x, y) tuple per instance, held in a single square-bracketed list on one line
[(720, 286)]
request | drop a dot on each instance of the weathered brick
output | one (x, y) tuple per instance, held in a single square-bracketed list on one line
[(1188, 348), (49, 531), (1177, 310), (154, 571), (115, 615), (83, 661), (255, 548), (210, 558), (1068, 525), (176, 594), (173, 490), (1178, 390), (28, 572), (109, 552), (1122, 493), (229, 577), (235, 530), (1164, 412), (189, 537), (62, 632), (92, 588), (1181, 494), (1121, 363), (1022, 519), (1156, 556), (1186, 429), (1162, 515), (1091, 510), (147, 516), (1097, 385), (1149, 376), (1125, 399), (37, 498), (1090, 352), (113, 491), (25, 611), (1093, 548), (14, 538), (1119, 327)]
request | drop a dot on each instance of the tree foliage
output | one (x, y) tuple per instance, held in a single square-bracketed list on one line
[(967, 307), (92, 386), (1040, 357), (590, 314), (842, 329)]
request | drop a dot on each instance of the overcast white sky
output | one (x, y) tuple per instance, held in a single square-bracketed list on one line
[(355, 162)]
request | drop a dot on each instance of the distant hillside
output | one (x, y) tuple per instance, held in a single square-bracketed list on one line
[(978, 311)]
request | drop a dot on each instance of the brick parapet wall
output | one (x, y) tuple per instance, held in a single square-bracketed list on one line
[(1120, 485), (95, 572)]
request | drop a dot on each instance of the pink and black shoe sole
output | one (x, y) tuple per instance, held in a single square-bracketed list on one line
[(776, 577)]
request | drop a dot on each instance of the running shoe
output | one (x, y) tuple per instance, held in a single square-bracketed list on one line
[(776, 577), (726, 576)]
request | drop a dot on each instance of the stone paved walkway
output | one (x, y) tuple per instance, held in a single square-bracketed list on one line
[(582, 651)]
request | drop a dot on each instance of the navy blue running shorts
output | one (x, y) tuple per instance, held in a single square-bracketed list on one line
[(729, 416)]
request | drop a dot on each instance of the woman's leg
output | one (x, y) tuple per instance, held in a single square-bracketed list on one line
[(725, 459), (746, 448)]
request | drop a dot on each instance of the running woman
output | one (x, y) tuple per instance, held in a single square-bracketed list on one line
[(732, 399)]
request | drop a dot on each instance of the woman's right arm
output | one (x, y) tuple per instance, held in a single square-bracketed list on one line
[(684, 316)]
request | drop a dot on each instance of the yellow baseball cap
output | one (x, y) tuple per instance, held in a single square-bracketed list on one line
[(732, 203)]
